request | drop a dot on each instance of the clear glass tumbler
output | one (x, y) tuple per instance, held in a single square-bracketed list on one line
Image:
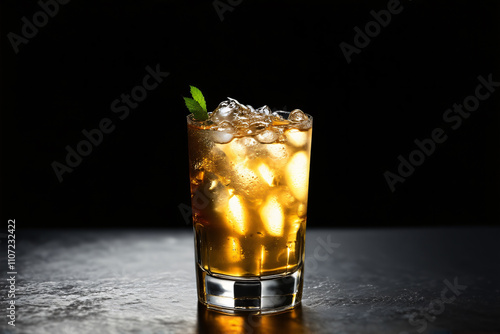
[(249, 200)]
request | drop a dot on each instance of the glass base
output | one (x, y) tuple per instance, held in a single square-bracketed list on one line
[(267, 294)]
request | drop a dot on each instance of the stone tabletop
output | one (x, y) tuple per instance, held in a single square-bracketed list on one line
[(425, 280)]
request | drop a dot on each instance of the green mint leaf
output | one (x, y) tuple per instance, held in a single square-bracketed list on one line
[(198, 97), (195, 108), (197, 105)]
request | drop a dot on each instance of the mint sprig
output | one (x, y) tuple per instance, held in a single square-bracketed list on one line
[(197, 105)]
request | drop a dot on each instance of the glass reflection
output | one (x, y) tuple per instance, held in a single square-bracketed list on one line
[(210, 321)]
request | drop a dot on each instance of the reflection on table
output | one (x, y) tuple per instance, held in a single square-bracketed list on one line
[(210, 321)]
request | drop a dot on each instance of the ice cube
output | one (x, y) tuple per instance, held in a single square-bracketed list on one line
[(248, 142), (297, 115), (285, 197), (296, 137), (235, 151), (278, 120), (210, 192), (217, 161), (276, 115), (225, 126), (251, 109), (223, 133), (278, 154), (297, 175), (302, 210), (236, 214), (268, 136), (213, 186), (228, 111), (255, 127), (241, 127), (272, 215), (264, 110), (239, 149), (266, 173), (246, 180), (241, 108), (249, 124)]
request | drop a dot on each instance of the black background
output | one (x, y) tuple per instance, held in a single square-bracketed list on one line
[(284, 54)]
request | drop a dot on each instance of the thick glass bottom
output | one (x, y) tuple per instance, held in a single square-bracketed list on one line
[(269, 294)]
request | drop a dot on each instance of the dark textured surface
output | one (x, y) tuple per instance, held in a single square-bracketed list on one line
[(357, 281)]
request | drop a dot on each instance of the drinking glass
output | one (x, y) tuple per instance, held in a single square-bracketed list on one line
[(249, 199)]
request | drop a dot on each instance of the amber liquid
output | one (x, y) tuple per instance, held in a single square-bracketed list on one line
[(249, 202)]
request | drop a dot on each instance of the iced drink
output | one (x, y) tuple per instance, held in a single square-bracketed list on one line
[(249, 173)]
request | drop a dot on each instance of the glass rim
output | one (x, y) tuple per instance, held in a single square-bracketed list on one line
[(191, 120), (288, 113)]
